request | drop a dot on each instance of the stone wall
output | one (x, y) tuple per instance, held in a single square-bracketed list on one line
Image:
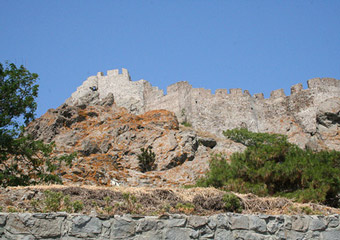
[(222, 226), (295, 115)]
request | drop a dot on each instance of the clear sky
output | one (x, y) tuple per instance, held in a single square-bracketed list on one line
[(255, 45)]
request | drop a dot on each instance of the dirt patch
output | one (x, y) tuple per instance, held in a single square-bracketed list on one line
[(143, 201)]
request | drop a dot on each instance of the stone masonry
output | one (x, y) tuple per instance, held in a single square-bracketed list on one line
[(306, 116), (177, 227)]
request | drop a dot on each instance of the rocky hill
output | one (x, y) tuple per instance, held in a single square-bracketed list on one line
[(108, 140), (109, 124)]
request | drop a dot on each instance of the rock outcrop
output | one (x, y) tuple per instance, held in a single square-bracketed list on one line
[(301, 116), (108, 140)]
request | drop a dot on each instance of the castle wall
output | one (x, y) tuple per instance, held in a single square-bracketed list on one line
[(127, 93), (292, 114)]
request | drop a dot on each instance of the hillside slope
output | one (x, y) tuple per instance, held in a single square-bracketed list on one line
[(108, 140)]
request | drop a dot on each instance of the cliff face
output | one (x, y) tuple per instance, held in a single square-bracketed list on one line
[(309, 117), (108, 140)]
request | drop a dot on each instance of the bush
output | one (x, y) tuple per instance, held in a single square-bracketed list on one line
[(272, 166), (186, 124), (147, 159), (187, 208), (232, 203), (53, 200), (78, 206)]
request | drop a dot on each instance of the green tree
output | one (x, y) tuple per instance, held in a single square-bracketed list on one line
[(23, 161), (146, 159), (272, 166)]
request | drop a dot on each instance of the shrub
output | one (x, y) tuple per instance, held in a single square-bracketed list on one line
[(78, 206), (53, 200), (186, 124), (68, 204), (272, 166), (185, 207), (57, 201), (147, 159), (232, 203)]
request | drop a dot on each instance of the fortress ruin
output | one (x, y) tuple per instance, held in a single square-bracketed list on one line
[(296, 115)]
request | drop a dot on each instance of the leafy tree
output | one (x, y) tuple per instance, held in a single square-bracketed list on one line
[(23, 161), (272, 166)]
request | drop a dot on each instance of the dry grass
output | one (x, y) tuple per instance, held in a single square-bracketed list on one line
[(155, 201)]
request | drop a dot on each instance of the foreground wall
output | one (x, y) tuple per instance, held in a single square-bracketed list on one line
[(221, 226)]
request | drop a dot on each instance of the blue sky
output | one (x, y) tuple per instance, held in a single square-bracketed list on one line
[(255, 45)]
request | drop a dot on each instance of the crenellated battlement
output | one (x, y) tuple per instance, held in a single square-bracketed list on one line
[(277, 94), (323, 83), (296, 88), (118, 79), (236, 91), (115, 73)]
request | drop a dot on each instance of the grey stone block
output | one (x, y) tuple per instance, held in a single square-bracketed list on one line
[(123, 228), (151, 235), (300, 223), (211, 223), (296, 235), (273, 226), (15, 226), (245, 235), (313, 235), (145, 225), (287, 222), (47, 228), (206, 232), (330, 235), (85, 226), (223, 234), (175, 222), (179, 233), (257, 224), (317, 224), (197, 221), (239, 222), (3, 218), (219, 220), (333, 221)]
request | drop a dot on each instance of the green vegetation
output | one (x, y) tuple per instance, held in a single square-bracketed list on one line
[(11, 209), (232, 203), (56, 201), (186, 124), (77, 206), (23, 161), (272, 166), (185, 207), (53, 201), (147, 159)]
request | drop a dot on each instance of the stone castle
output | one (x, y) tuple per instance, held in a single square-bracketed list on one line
[(306, 116)]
